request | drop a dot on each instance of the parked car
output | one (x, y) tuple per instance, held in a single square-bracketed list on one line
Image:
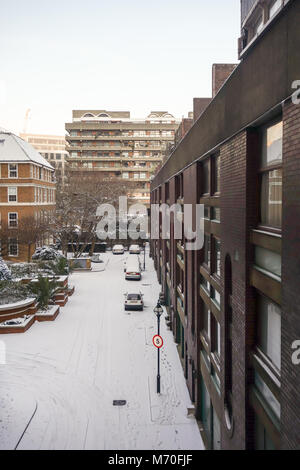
[(133, 271), (134, 302), (118, 250), (134, 250)]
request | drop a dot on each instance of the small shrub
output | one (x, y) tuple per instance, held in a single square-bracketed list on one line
[(5, 274), (43, 289), (11, 292)]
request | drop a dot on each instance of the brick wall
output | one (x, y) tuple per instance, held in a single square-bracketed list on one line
[(290, 390), (233, 236), (220, 73)]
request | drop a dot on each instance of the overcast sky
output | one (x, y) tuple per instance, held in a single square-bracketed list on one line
[(135, 55)]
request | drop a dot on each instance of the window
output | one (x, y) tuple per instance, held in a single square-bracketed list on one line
[(206, 320), (206, 177), (13, 249), (207, 212), (216, 174), (271, 175), (12, 219), (268, 260), (216, 297), (205, 284), (269, 329), (13, 171), (216, 214), (258, 26), (12, 194), (217, 256), (274, 7), (207, 250), (125, 175), (267, 394), (58, 156), (216, 337)]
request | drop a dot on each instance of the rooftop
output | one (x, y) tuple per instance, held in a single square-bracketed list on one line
[(15, 149)]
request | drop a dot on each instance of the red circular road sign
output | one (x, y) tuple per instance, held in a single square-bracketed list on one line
[(158, 341)]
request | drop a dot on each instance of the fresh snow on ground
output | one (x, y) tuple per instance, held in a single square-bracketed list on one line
[(60, 380)]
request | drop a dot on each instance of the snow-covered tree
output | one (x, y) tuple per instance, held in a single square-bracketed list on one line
[(5, 274), (46, 253)]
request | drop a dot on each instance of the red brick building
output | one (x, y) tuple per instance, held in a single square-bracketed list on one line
[(27, 190), (234, 305)]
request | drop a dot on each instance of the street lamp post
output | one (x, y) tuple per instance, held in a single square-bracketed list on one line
[(145, 256), (158, 312)]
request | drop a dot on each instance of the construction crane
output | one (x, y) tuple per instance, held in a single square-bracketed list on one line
[(26, 120)]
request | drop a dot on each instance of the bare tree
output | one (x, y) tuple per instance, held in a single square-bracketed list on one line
[(32, 230), (76, 209)]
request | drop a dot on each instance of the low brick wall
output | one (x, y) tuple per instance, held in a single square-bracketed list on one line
[(9, 312), (41, 318), (4, 330)]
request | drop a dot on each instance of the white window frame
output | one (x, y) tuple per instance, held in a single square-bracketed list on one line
[(14, 255), (9, 195), (17, 219), (10, 170)]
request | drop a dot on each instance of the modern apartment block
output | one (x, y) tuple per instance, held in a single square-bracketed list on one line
[(110, 144), (53, 149), (234, 304), (27, 193)]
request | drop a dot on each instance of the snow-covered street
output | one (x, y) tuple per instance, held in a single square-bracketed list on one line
[(60, 380)]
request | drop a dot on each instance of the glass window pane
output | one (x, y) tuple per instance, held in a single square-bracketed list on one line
[(272, 145), (267, 394), (216, 214), (268, 260), (207, 250), (217, 174), (274, 7), (206, 177), (271, 198), (269, 329)]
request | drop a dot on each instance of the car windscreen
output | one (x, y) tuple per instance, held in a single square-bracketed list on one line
[(134, 297)]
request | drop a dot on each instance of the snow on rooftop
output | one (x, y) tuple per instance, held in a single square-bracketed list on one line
[(15, 149)]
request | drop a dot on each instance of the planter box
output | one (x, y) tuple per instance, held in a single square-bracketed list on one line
[(80, 264), (61, 298), (18, 309), (71, 290), (49, 315), (11, 329)]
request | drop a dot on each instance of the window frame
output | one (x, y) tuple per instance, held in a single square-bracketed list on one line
[(10, 170), (265, 170), (9, 221), (9, 195)]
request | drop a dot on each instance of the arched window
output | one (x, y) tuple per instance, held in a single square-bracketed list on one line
[(103, 115), (88, 115)]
